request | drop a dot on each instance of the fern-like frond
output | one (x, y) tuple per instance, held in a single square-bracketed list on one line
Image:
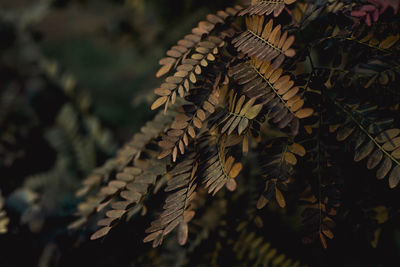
[(177, 208), (276, 92), (266, 43), (374, 138), (253, 250), (106, 182), (381, 71), (318, 216), (387, 45), (266, 7), (192, 117), (125, 195), (241, 114), (190, 70), (217, 167), (102, 175), (277, 161), (186, 75), (179, 52)]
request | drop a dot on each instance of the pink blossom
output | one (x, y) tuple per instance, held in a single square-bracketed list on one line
[(372, 11)]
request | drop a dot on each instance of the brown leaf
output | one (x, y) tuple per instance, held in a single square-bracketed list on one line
[(290, 158), (197, 123), (345, 132), (374, 159), (291, 93), (209, 107), (164, 153), (253, 111), (227, 124), (152, 236), (201, 114), (247, 106), (394, 177), (262, 202), (181, 147), (275, 76), (304, 113), (280, 198), (175, 132), (182, 117), (245, 146), (296, 105), (163, 70), (181, 91), (159, 102), (191, 132), (231, 185), (179, 125), (235, 170), (188, 215), (100, 233), (290, 52), (174, 53), (185, 139), (183, 230), (166, 144), (234, 124), (387, 135), (243, 125), (288, 43), (131, 195), (192, 78), (239, 104), (167, 60), (389, 41), (162, 92), (384, 168), (396, 153), (115, 213), (174, 154), (328, 233), (323, 241), (392, 144), (297, 149), (364, 151)]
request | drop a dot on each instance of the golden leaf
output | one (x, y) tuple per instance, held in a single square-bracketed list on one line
[(100, 233), (163, 70), (304, 113), (290, 158), (253, 111), (159, 102), (236, 168), (297, 149), (280, 199)]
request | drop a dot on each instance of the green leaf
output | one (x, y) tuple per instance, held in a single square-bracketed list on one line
[(253, 111)]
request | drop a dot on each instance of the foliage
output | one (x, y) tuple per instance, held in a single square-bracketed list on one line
[(268, 115)]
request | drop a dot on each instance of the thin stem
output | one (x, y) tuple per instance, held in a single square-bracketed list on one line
[(272, 87), (266, 41), (366, 132)]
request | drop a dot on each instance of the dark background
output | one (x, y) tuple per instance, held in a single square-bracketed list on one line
[(111, 49)]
